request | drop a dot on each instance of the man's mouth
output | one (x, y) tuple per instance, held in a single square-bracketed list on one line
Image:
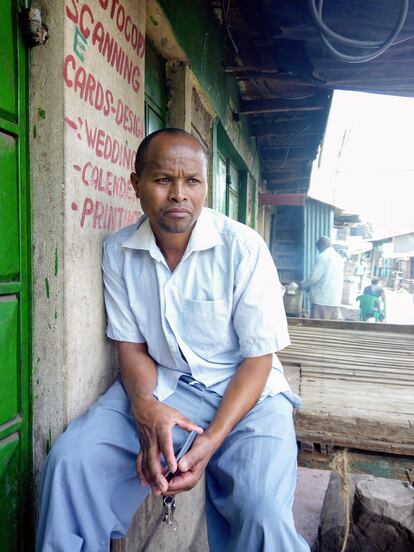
[(177, 212)]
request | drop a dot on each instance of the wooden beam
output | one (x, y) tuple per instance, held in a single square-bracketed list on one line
[(286, 87), (292, 180), (251, 68), (282, 199), (258, 71), (285, 175), (288, 189), (296, 140), (252, 107), (287, 127)]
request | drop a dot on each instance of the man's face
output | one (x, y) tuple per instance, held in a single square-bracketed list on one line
[(172, 187)]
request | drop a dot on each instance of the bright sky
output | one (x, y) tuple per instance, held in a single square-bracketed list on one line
[(367, 160)]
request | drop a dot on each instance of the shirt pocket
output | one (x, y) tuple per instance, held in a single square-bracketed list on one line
[(205, 326)]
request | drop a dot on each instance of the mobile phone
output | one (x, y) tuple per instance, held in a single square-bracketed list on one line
[(183, 450)]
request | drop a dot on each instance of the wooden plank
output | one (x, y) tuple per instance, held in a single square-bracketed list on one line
[(355, 432), (353, 326), (357, 384), (252, 107), (377, 464)]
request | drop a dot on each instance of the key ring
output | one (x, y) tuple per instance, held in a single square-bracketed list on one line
[(168, 517)]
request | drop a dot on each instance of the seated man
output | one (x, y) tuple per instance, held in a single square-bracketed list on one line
[(194, 303), (376, 290)]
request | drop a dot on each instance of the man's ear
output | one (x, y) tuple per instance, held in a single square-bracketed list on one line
[(135, 183)]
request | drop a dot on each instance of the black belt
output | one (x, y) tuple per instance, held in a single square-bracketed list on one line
[(186, 378)]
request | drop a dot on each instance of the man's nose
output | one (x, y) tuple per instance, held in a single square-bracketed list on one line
[(177, 191)]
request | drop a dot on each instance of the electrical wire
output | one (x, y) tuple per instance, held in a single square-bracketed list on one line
[(324, 30), (283, 163), (283, 97), (322, 26), (225, 11)]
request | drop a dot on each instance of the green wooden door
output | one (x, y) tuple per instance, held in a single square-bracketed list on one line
[(15, 484), (155, 91)]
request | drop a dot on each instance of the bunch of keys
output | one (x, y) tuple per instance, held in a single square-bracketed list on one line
[(169, 501), (168, 513)]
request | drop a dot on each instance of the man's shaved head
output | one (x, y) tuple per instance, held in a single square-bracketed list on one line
[(141, 155), (323, 243)]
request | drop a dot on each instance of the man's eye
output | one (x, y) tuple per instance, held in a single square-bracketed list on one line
[(193, 180), (164, 180)]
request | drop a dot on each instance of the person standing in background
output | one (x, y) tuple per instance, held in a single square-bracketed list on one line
[(326, 281)]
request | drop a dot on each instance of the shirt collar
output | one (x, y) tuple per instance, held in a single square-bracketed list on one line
[(204, 236), (327, 251)]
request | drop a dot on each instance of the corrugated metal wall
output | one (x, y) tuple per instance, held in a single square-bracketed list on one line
[(294, 233), (287, 242), (318, 221)]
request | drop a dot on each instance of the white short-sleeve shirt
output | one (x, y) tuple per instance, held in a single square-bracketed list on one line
[(326, 281), (222, 303)]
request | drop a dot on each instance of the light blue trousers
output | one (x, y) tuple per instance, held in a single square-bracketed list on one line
[(90, 489)]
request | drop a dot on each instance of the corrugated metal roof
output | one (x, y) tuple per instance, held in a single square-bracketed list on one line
[(286, 74)]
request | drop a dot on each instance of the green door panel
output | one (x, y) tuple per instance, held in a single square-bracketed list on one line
[(9, 235), (8, 60), (153, 120), (10, 489), (8, 448), (15, 450), (9, 331)]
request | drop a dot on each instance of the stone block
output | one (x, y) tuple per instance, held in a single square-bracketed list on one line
[(148, 534), (381, 516)]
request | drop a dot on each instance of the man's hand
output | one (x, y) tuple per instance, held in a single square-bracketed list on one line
[(241, 395), (155, 421), (191, 467)]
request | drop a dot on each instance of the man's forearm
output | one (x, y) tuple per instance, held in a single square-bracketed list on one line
[(138, 371), (241, 395), (155, 420)]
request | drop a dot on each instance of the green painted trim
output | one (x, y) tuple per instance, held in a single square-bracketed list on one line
[(10, 288), (24, 4), (155, 81), (214, 162), (243, 196), (203, 40), (27, 502), (155, 89), (228, 184), (255, 201), (11, 427), (228, 150), (9, 127)]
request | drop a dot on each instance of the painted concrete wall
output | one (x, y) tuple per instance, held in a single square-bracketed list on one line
[(87, 94)]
